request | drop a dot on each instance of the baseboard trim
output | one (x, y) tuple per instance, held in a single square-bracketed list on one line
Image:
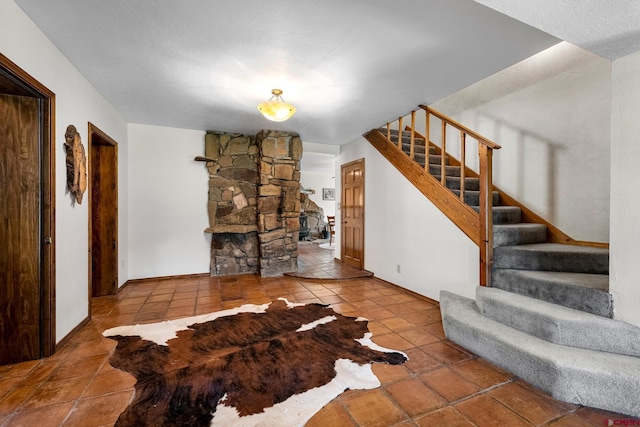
[(74, 331), (159, 278), (408, 291)]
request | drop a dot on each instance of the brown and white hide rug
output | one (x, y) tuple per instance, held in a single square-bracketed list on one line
[(256, 365)]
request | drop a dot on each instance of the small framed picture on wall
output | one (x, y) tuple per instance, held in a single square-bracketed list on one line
[(328, 194)]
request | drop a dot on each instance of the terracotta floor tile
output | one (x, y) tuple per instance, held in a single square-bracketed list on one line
[(159, 298), (48, 416), (389, 373), (572, 420), (531, 405), (100, 411), (189, 295), (419, 361), (484, 411), (14, 399), (377, 328), (392, 341), (436, 329), (8, 384), (361, 303), (448, 384), (600, 417), (83, 367), (371, 408), (401, 308), (483, 374), (413, 396), (331, 415), (39, 373), (418, 336), (52, 392), (445, 417), (109, 382), (21, 369), (178, 312), (182, 303), (421, 318), (441, 350), (396, 324)]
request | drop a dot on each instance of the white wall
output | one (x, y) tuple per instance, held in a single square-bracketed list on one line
[(167, 202), (77, 103), (551, 115), (317, 181), (403, 228), (625, 181)]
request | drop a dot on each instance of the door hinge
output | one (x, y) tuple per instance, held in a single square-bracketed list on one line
[(48, 240)]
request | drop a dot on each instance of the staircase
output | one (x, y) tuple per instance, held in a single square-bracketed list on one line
[(548, 315)]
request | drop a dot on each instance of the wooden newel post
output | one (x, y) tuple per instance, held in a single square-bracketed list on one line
[(486, 214)]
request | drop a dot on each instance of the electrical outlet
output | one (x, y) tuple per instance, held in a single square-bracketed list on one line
[(398, 268)]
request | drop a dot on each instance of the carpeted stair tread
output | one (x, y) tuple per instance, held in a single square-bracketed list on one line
[(504, 214), (553, 257), (581, 376), (518, 234), (580, 291), (558, 324)]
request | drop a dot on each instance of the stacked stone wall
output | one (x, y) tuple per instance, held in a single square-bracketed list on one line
[(278, 201), (254, 202)]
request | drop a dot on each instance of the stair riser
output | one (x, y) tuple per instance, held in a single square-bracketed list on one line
[(472, 184), (511, 236), (574, 296), (507, 257), (557, 324), (504, 214), (417, 149), (472, 198), (434, 159), (449, 170)]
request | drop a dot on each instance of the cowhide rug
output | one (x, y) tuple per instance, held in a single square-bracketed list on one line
[(272, 364)]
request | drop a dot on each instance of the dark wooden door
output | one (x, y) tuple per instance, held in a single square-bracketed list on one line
[(103, 189), (352, 201), (20, 256)]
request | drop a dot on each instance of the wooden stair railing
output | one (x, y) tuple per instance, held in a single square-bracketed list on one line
[(478, 226)]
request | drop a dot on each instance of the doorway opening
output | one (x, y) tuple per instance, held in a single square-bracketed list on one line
[(27, 206), (103, 214)]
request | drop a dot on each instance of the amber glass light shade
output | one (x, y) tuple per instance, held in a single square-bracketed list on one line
[(276, 109)]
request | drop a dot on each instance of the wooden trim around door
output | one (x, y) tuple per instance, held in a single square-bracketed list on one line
[(24, 82), (98, 137)]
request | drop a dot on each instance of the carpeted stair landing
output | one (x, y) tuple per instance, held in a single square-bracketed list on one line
[(577, 357)]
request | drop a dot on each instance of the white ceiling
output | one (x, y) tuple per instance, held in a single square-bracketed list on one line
[(348, 66)]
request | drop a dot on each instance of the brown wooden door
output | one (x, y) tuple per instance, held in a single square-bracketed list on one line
[(352, 201), (103, 190), (20, 256)]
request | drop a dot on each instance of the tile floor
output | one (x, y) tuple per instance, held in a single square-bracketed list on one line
[(441, 385)]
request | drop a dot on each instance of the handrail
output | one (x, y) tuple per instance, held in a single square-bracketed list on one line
[(485, 173), (481, 139)]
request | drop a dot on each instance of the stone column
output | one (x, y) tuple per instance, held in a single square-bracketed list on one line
[(232, 162), (278, 207)]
